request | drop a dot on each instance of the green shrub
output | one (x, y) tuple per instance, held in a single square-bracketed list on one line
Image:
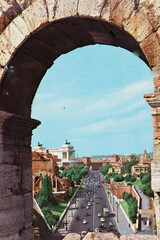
[(146, 178), (132, 179), (127, 177)]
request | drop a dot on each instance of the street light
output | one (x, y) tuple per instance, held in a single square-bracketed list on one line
[(117, 211), (113, 204)]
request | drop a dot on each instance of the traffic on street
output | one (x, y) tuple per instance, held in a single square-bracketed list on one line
[(91, 211)]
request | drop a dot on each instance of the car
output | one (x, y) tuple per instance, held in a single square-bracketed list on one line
[(87, 207), (89, 204), (91, 200), (96, 230), (84, 221), (102, 220), (99, 214), (110, 224)]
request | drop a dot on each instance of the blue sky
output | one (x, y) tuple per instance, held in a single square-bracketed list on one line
[(93, 96)]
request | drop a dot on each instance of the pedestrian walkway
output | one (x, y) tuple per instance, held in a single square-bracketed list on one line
[(146, 227), (122, 223)]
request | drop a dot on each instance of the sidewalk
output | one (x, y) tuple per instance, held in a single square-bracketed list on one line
[(122, 223)]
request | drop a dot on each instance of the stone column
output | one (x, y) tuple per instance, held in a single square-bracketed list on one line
[(16, 177), (154, 101)]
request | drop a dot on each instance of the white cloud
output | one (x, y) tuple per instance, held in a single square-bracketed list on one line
[(115, 124)]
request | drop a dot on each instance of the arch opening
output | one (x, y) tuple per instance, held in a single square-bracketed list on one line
[(38, 52)]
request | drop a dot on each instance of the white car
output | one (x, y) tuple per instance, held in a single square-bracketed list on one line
[(84, 221), (96, 230), (99, 214), (87, 207), (102, 220), (89, 204)]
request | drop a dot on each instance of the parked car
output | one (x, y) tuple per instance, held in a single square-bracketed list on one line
[(96, 230), (84, 221), (99, 214), (102, 220)]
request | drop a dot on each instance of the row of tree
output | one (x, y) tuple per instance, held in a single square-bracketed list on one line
[(132, 206), (75, 173)]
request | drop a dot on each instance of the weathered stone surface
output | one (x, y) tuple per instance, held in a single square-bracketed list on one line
[(155, 171), (25, 3), (6, 50), (151, 49), (138, 26), (4, 21), (72, 236), (91, 8), (35, 15), (152, 10), (120, 11), (9, 10), (21, 24), (28, 212), (138, 237), (13, 219), (64, 9), (100, 236), (13, 35), (51, 6)]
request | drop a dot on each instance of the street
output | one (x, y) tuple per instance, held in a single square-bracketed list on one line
[(86, 213)]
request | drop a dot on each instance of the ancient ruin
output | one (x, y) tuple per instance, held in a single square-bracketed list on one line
[(33, 34)]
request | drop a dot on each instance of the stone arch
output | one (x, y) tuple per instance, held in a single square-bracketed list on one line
[(33, 34)]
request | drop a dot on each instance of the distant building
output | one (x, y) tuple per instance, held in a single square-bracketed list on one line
[(142, 166), (65, 154), (43, 163)]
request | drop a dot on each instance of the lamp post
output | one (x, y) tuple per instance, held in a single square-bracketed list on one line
[(117, 211), (113, 204)]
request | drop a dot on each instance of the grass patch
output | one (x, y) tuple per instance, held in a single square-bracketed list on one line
[(57, 209), (125, 206)]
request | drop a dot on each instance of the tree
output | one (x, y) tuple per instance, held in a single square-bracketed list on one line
[(146, 178), (127, 166), (132, 179), (127, 177), (61, 168), (118, 178), (104, 170)]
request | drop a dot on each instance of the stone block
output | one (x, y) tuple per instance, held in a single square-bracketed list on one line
[(4, 21), (26, 179), (105, 15), (11, 237), (25, 3), (6, 50), (28, 210), (151, 49), (152, 10), (35, 15), (138, 237), (102, 236), (120, 11), (61, 9), (72, 236), (12, 220), (155, 173), (21, 24), (10, 178), (14, 35), (138, 26), (26, 234), (92, 8)]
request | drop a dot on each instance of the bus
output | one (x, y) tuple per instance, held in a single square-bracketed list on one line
[(105, 212)]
